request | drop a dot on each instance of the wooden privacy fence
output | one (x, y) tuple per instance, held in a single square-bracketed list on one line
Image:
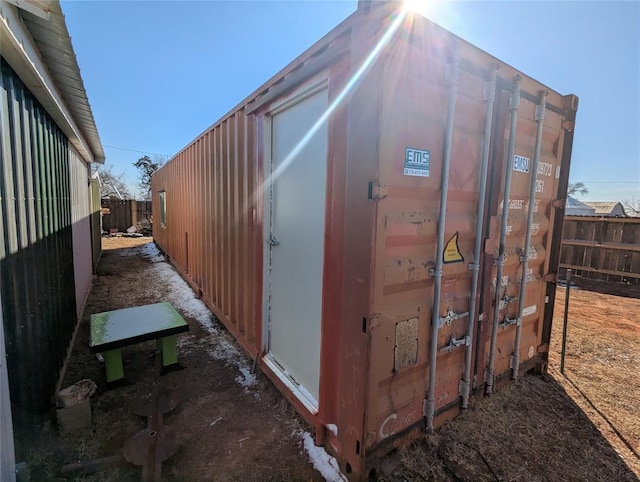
[(606, 249), (122, 214)]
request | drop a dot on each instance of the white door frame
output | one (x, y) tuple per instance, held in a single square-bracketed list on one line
[(314, 85)]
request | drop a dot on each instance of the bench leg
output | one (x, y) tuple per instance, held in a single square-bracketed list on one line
[(113, 365), (169, 350)]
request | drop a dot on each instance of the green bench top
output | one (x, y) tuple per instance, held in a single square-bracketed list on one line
[(118, 328)]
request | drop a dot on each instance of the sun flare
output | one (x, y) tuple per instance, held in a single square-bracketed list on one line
[(418, 6)]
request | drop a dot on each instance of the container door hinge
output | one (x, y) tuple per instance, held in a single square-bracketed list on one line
[(550, 278), (377, 191), (510, 322), (450, 317), (455, 343), (559, 203), (506, 300)]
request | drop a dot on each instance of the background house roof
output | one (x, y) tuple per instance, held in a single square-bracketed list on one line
[(607, 208), (577, 208)]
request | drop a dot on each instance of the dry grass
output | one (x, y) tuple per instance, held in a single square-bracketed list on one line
[(601, 365), (585, 426)]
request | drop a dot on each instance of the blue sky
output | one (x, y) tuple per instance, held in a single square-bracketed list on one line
[(159, 73)]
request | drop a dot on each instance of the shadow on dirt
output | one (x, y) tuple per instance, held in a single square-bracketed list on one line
[(531, 430)]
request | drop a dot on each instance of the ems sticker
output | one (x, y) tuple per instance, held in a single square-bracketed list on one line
[(521, 163), (452, 252), (416, 162)]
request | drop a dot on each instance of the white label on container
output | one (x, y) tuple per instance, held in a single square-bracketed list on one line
[(416, 162), (529, 310), (521, 163)]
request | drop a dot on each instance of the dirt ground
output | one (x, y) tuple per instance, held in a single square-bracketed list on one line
[(602, 364), (233, 425)]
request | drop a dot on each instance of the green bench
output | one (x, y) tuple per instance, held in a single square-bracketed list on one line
[(112, 330)]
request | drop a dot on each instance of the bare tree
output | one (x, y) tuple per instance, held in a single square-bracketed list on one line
[(577, 188), (147, 167), (632, 207), (112, 185)]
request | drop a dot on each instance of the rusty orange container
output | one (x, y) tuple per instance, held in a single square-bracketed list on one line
[(361, 224)]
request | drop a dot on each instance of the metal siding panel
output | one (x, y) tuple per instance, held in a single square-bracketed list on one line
[(37, 279), (96, 228), (242, 199), (8, 196), (5, 153), (81, 227), (224, 202), (234, 221), (28, 170), (16, 108), (7, 456), (219, 221)]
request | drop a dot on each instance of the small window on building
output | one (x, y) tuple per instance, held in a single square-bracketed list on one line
[(163, 208)]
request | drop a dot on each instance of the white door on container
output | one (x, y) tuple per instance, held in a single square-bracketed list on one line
[(296, 241)]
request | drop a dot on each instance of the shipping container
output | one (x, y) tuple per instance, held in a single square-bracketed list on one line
[(360, 223)]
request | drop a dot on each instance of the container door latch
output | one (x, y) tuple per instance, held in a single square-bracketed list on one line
[(273, 241), (377, 191)]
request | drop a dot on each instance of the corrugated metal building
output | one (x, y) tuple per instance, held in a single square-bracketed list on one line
[(574, 207), (48, 141)]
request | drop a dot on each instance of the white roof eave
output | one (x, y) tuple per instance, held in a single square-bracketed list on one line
[(50, 63)]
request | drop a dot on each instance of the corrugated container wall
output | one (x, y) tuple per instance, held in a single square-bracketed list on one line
[(357, 220)]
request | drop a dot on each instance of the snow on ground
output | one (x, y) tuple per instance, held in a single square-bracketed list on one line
[(226, 350), (321, 460), (184, 299)]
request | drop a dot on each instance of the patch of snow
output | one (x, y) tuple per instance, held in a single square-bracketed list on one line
[(151, 252), (182, 297), (227, 351), (246, 378), (333, 428), (322, 461)]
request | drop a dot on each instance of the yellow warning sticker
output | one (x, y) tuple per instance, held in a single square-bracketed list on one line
[(452, 253)]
